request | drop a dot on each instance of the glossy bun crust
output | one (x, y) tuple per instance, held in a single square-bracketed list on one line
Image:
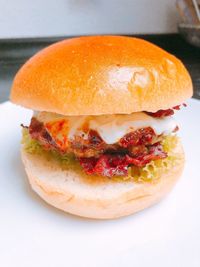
[(101, 75)]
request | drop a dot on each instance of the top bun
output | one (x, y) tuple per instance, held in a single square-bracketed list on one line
[(101, 75)]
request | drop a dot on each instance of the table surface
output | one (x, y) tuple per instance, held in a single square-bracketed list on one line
[(14, 52)]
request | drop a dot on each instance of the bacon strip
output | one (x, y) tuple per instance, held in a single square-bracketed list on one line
[(167, 112), (115, 164), (142, 136)]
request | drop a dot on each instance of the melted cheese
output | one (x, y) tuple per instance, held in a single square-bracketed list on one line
[(111, 128)]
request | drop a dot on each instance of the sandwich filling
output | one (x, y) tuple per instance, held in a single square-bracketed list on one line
[(106, 145)]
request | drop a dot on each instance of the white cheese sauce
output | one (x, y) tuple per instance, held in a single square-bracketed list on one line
[(112, 128)]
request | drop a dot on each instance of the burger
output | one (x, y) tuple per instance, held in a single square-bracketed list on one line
[(102, 142)]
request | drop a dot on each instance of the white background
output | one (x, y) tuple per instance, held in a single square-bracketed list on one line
[(26, 18)]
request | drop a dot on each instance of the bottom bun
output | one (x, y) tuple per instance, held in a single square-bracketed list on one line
[(95, 197)]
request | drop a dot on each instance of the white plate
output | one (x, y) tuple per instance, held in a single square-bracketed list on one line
[(34, 234)]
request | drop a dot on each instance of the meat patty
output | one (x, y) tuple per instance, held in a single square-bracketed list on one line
[(133, 144)]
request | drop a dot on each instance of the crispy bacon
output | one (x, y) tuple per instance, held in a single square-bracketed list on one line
[(142, 136), (106, 165), (164, 113), (116, 164)]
